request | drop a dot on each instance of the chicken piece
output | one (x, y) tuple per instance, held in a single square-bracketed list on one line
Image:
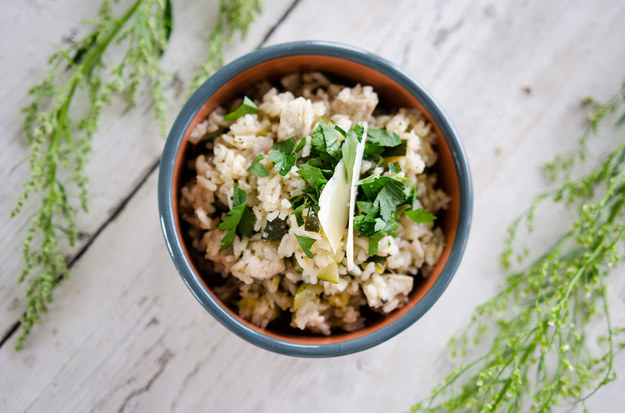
[(357, 102), (387, 291), (296, 119)]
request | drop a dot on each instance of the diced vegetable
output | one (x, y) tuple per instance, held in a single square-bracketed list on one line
[(312, 222), (306, 293), (339, 300), (329, 273), (275, 230)]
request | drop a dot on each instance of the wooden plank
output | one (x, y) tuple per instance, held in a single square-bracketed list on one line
[(126, 335), (128, 143)]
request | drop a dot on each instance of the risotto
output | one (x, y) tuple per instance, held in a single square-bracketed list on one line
[(315, 208)]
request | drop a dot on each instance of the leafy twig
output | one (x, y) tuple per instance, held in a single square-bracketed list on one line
[(233, 15), (540, 354), (60, 139)]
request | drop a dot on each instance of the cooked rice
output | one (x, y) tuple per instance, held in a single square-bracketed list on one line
[(269, 273)]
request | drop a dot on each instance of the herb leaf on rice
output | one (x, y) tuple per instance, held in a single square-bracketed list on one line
[(257, 168), (247, 107), (239, 218)]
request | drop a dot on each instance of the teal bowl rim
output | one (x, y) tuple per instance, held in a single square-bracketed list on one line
[(174, 244)]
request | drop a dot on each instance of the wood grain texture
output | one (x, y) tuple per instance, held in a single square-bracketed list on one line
[(124, 334)]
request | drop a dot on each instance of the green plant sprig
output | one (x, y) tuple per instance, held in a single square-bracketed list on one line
[(60, 136), (233, 15), (541, 353)]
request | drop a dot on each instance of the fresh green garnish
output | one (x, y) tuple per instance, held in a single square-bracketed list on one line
[(420, 216), (383, 138), (283, 162), (374, 240), (396, 151), (348, 149), (239, 218), (314, 176), (306, 243), (286, 146), (325, 139), (247, 107), (379, 141), (384, 198), (394, 168), (257, 168), (300, 145), (284, 159)]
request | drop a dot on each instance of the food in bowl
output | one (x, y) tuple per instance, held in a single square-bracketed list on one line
[(315, 207)]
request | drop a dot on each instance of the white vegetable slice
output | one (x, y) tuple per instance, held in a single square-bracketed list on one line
[(334, 206), (360, 151)]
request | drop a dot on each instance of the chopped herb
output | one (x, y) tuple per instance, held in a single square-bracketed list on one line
[(379, 139), (396, 151), (388, 197), (300, 145), (420, 216), (247, 107), (374, 240), (313, 175), (257, 168), (394, 168), (306, 243), (246, 225), (283, 162), (236, 218), (383, 138), (349, 153), (326, 139), (341, 130), (285, 147)]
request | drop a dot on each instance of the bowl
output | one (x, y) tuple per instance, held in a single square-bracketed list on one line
[(394, 87)]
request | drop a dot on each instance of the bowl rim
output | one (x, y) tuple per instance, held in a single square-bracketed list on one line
[(168, 219)]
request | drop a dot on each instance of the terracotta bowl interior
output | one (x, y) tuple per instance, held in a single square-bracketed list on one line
[(391, 95)]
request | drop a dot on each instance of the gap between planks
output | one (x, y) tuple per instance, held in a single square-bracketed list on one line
[(153, 168)]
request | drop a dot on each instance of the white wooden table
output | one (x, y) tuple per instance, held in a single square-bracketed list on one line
[(124, 334)]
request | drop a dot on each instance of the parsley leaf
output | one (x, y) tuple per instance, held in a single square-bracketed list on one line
[(285, 147), (306, 243), (394, 168), (349, 153), (420, 216), (246, 107), (300, 145), (388, 197), (246, 224), (383, 138), (326, 139), (374, 240), (283, 162), (257, 168), (239, 218), (313, 175)]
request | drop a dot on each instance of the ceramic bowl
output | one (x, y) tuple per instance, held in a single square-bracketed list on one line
[(395, 89)]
